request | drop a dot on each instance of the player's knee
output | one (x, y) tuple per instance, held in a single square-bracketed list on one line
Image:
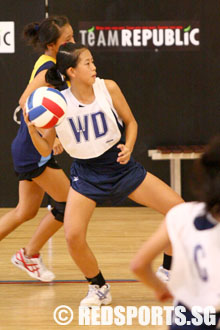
[(58, 210), (23, 215), (75, 238)]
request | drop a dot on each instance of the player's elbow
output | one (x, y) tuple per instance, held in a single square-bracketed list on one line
[(45, 154), (136, 266), (44, 151), (135, 124), (21, 102)]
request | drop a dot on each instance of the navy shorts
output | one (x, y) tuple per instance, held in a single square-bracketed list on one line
[(108, 183), (38, 171), (189, 318)]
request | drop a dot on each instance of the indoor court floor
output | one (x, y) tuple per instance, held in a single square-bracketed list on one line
[(115, 234)]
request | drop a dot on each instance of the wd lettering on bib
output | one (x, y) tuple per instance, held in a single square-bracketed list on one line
[(81, 126)]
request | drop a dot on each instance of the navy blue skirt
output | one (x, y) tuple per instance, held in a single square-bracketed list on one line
[(52, 163), (111, 182)]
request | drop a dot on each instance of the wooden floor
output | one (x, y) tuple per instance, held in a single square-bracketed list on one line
[(115, 234)]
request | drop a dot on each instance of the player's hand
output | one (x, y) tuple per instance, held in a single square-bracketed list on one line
[(57, 147), (30, 125), (124, 154)]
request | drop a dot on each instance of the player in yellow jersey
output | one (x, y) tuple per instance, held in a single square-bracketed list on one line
[(37, 174)]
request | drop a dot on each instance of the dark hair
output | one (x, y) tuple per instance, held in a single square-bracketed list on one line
[(67, 56), (206, 182), (39, 35)]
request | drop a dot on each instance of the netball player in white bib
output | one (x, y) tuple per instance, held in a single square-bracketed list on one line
[(194, 231), (103, 168)]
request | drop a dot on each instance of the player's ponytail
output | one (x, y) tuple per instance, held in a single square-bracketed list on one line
[(207, 177), (55, 78), (30, 34)]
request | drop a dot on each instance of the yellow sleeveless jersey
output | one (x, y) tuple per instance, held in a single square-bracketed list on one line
[(44, 62)]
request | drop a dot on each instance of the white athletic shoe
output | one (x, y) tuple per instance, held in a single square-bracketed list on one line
[(163, 274), (97, 296), (33, 266)]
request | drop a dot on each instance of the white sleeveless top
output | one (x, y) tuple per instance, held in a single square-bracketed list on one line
[(195, 274), (88, 130)]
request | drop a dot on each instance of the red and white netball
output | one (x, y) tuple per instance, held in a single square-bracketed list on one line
[(46, 107)]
